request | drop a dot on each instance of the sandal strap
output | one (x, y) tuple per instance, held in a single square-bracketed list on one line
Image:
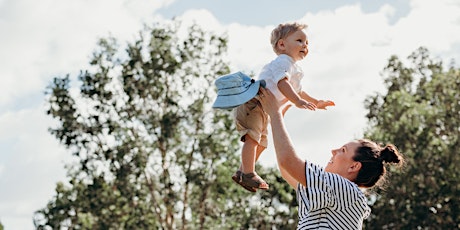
[(239, 174)]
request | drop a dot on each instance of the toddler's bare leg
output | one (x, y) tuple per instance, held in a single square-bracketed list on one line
[(259, 151), (248, 155), (246, 176)]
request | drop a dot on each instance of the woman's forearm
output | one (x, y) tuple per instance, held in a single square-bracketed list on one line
[(293, 167), (283, 146), (287, 177)]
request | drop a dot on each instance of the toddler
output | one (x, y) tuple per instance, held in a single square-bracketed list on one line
[(282, 77)]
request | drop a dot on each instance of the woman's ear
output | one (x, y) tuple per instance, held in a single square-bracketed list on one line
[(355, 167)]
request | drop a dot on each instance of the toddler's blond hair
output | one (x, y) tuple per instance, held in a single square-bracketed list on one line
[(282, 31)]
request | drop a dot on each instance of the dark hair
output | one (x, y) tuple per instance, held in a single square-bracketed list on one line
[(373, 158)]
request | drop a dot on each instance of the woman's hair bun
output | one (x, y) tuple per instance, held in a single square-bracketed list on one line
[(390, 154)]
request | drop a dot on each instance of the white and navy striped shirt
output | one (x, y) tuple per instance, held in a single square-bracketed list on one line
[(330, 201)]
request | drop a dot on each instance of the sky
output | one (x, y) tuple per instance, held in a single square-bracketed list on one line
[(350, 42)]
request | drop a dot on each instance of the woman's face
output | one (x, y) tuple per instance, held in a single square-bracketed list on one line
[(342, 162)]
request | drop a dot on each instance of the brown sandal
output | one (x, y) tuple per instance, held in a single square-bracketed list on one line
[(253, 180), (237, 177)]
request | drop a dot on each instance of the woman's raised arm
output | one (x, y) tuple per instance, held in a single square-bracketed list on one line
[(288, 160)]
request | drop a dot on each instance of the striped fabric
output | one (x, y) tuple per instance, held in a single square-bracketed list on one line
[(330, 201)]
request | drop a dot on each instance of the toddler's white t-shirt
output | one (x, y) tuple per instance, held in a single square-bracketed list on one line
[(281, 67)]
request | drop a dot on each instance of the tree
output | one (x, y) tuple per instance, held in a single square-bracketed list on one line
[(420, 115), (150, 152)]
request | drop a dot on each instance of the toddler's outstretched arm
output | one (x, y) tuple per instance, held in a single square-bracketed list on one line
[(286, 88), (320, 104)]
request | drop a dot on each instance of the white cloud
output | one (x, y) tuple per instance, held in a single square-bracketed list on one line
[(201, 17), (31, 163), (249, 47), (434, 24), (44, 38)]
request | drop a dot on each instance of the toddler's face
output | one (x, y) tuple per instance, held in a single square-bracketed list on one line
[(295, 45)]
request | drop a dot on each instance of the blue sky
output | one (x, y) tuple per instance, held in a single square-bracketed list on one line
[(260, 12), (350, 43)]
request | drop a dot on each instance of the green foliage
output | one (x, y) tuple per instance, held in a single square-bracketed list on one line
[(150, 152), (419, 114)]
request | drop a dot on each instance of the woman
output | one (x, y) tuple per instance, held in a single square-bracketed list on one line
[(329, 198)]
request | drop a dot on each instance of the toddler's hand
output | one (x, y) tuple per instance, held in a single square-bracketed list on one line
[(323, 104), (303, 104)]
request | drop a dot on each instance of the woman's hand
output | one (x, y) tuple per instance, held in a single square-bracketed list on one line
[(269, 102)]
